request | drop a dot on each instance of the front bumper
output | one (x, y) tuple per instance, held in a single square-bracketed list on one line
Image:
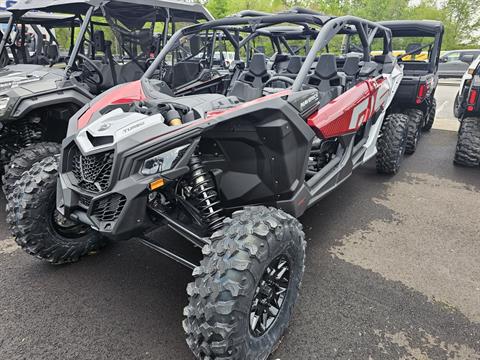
[(118, 213)]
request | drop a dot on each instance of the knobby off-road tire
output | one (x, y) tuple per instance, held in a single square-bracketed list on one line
[(36, 225), (468, 143), (457, 107), (24, 160), (232, 274), (431, 116), (391, 144), (414, 129)]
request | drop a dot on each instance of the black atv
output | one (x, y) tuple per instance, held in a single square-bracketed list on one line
[(467, 108), (114, 45), (229, 171), (422, 41)]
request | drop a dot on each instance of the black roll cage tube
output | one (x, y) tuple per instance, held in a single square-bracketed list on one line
[(6, 34), (87, 22), (331, 26), (17, 15), (79, 42)]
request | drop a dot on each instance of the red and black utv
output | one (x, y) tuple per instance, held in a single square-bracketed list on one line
[(227, 158)]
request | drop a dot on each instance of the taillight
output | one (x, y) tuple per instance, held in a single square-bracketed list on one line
[(422, 92), (472, 99)]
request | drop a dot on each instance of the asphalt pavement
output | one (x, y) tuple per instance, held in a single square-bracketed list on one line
[(392, 272)]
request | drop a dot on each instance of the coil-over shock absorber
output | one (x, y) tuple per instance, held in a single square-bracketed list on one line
[(204, 192)]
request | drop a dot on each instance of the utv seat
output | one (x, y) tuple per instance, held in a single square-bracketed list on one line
[(249, 85), (385, 63), (291, 71), (351, 69), (415, 49), (182, 73), (293, 67), (278, 62), (52, 53), (368, 70), (124, 74), (326, 79)]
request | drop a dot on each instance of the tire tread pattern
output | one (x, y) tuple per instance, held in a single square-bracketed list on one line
[(414, 129), (24, 160), (431, 116), (225, 279), (468, 144), (391, 143), (27, 212)]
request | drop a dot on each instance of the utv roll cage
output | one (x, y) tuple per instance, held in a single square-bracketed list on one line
[(281, 34), (424, 28), (168, 11), (179, 10), (35, 19), (329, 27), (38, 18)]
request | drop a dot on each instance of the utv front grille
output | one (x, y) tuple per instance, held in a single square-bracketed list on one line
[(109, 208), (84, 200), (92, 172)]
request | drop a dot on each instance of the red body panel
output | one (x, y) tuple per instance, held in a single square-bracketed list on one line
[(348, 112), (122, 94)]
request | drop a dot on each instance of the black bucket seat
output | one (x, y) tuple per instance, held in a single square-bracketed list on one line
[(326, 78), (249, 85), (351, 68)]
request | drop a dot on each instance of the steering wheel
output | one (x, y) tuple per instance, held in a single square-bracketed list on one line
[(91, 73), (283, 79)]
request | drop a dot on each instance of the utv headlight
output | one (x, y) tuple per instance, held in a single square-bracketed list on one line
[(4, 85), (162, 162)]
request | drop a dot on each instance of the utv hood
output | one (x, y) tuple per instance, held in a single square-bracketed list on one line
[(28, 79), (119, 127)]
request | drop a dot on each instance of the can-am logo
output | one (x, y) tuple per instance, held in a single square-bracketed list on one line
[(105, 126)]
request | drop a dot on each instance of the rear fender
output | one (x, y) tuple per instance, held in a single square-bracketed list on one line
[(391, 83)]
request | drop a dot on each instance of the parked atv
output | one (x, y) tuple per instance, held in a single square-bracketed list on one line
[(231, 171), (37, 101), (422, 41), (467, 109), (460, 104)]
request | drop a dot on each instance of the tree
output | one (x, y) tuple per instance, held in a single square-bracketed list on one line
[(218, 8), (463, 21), (460, 17)]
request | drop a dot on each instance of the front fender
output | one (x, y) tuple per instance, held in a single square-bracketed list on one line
[(23, 106)]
